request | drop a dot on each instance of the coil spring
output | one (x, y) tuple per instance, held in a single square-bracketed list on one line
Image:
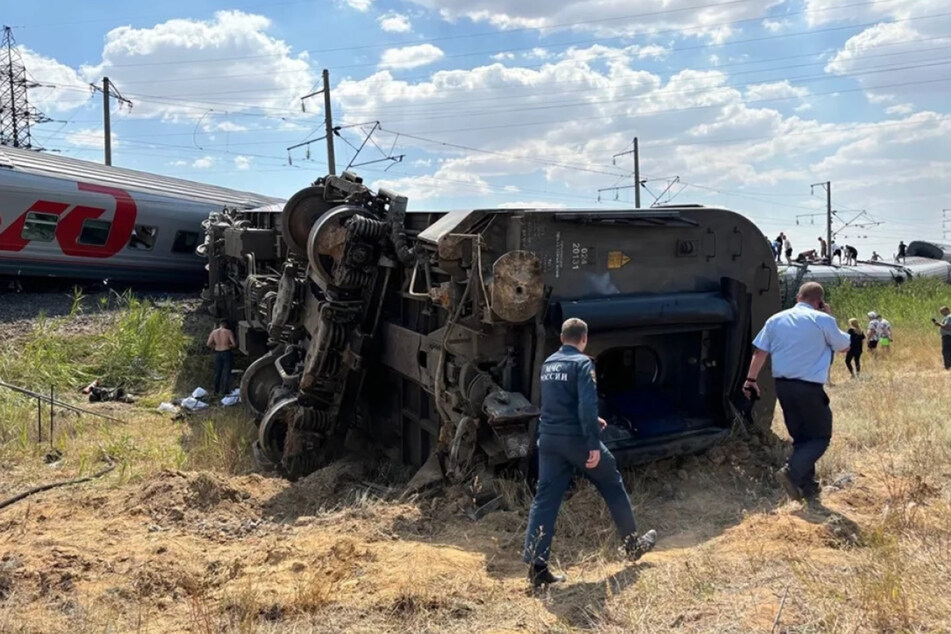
[(349, 277), (330, 364), (309, 419), (334, 335), (367, 228)]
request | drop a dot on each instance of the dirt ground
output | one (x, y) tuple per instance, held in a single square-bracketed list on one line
[(202, 552)]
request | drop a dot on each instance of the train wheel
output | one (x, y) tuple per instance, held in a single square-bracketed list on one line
[(258, 382), (299, 215), (272, 432)]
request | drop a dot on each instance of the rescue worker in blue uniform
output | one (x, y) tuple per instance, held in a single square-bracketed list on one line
[(569, 443)]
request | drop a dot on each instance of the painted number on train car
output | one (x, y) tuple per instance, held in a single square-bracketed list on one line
[(70, 226)]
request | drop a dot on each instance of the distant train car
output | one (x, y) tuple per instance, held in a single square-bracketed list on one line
[(925, 260), (67, 218)]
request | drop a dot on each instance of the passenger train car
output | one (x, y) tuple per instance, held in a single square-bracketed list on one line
[(68, 218), (925, 259)]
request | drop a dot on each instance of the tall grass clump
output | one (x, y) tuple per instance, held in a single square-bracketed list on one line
[(145, 345)]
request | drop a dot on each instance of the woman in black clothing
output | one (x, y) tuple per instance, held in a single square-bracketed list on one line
[(855, 349)]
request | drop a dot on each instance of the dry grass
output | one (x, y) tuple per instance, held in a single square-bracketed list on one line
[(117, 556)]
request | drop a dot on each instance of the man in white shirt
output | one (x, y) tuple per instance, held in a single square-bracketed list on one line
[(800, 341)]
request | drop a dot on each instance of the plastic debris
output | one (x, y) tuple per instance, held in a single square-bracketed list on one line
[(233, 398), (199, 393), (167, 408), (193, 404)]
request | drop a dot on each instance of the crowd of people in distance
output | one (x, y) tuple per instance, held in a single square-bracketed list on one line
[(840, 254)]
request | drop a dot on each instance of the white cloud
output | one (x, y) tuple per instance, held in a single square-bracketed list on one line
[(537, 53), (178, 64), (65, 90), (228, 126), (891, 53), (776, 26), (410, 56), (177, 163), (89, 138), (243, 162), (901, 108), (393, 22), (203, 163), (775, 90), (503, 56), (360, 5), (605, 17)]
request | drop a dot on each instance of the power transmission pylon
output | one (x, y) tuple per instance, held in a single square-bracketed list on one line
[(16, 114)]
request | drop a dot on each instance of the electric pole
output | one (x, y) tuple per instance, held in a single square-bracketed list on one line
[(328, 120), (637, 176), (16, 114), (109, 90), (828, 187)]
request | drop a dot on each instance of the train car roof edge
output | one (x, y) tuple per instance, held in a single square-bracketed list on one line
[(44, 164)]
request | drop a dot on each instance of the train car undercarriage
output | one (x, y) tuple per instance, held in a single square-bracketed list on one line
[(423, 332)]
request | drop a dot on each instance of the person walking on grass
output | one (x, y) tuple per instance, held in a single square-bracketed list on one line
[(569, 443), (873, 333), (944, 324), (800, 341), (857, 337), (221, 340)]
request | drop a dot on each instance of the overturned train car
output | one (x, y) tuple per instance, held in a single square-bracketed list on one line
[(424, 332)]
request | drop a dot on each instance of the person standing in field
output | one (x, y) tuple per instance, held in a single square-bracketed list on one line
[(945, 327), (873, 331), (221, 340), (800, 341), (884, 335), (569, 431), (856, 337)]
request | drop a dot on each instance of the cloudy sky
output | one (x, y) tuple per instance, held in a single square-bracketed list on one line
[(736, 103)]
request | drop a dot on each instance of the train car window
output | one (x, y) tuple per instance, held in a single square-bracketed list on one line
[(39, 227), (185, 242), (95, 233), (143, 238)]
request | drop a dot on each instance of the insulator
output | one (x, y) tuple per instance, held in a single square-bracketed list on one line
[(366, 228)]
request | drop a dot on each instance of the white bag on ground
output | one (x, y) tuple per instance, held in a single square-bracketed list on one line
[(192, 403), (199, 393), (168, 408)]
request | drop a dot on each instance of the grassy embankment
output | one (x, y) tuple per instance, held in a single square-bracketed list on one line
[(139, 345)]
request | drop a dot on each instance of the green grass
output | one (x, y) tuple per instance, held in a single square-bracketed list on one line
[(910, 305), (141, 348)]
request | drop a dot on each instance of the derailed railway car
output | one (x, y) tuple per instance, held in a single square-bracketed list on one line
[(424, 332)]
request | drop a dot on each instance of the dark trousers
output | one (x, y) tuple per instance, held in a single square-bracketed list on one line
[(223, 362), (809, 421), (559, 459), (946, 351), (853, 356)]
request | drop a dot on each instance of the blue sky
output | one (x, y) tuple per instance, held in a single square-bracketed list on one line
[(506, 102)]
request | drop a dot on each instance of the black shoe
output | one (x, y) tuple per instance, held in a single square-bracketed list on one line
[(541, 576), (634, 547), (782, 477)]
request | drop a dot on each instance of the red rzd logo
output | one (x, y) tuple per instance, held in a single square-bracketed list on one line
[(69, 228)]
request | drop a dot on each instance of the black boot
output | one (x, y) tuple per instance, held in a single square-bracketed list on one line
[(790, 487), (540, 576), (634, 547)]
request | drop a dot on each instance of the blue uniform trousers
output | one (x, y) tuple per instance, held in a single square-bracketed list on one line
[(809, 422), (559, 459)]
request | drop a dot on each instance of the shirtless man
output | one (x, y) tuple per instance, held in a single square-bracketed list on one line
[(222, 341)]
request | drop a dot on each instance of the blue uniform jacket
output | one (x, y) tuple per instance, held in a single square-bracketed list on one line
[(570, 397)]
